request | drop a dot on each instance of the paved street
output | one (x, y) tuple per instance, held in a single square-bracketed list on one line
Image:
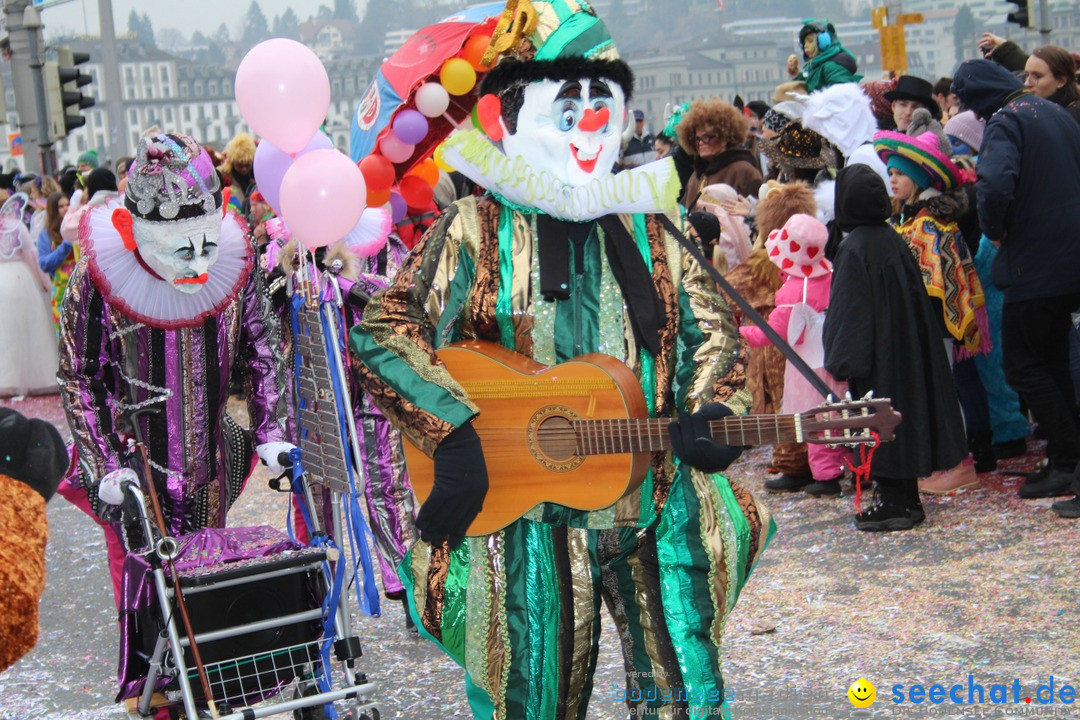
[(987, 586)]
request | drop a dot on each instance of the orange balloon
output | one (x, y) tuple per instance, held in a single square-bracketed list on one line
[(428, 171), (378, 198), (474, 50)]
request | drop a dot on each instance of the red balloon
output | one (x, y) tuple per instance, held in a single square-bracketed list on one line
[(416, 192), (378, 173), (377, 198)]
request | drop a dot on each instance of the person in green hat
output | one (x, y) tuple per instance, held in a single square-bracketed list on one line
[(562, 258), (826, 61), (87, 161)]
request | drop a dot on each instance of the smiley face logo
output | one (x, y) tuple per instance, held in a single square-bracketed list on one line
[(862, 693)]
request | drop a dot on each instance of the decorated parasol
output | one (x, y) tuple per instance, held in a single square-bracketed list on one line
[(426, 57), (418, 97)]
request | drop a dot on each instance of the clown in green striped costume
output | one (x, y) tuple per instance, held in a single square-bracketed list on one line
[(559, 259)]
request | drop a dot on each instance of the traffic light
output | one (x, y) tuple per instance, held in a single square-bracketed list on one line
[(63, 82), (1025, 14)]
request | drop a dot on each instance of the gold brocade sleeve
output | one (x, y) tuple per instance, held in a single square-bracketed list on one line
[(708, 329)]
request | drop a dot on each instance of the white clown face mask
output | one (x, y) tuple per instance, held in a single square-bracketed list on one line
[(569, 128), (180, 251)]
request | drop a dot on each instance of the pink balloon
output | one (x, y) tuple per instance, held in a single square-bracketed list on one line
[(322, 197), (271, 164), (394, 150), (283, 92)]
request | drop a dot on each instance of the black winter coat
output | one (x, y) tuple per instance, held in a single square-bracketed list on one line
[(1028, 183), (881, 333)]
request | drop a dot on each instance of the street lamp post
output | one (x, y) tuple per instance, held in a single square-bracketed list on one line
[(116, 138), (22, 82)]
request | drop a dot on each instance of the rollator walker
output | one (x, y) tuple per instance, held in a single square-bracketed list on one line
[(243, 623)]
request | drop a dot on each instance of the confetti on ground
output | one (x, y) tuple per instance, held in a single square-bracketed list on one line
[(986, 586)]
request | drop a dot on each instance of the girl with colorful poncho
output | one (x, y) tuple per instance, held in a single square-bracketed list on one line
[(926, 185)]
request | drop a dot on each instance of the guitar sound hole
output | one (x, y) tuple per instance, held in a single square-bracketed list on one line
[(557, 438)]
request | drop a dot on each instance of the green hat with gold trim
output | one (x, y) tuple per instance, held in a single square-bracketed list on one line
[(553, 40)]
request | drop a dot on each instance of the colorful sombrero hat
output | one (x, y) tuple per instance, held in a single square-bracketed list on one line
[(919, 158)]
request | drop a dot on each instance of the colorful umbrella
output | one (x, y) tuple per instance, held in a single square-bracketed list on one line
[(415, 62)]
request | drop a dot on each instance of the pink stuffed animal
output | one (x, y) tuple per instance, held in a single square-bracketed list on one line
[(798, 249)]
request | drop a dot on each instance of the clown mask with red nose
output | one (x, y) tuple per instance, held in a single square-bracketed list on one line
[(570, 128)]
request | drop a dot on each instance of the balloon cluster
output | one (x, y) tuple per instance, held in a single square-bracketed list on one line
[(283, 93), (410, 126)]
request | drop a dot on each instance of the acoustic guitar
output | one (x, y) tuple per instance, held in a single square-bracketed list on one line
[(578, 434)]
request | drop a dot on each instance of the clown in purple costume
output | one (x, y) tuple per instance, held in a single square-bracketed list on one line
[(389, 496), (159, 308)]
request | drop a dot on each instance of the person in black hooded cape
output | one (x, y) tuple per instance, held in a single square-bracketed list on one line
[(881, 335)]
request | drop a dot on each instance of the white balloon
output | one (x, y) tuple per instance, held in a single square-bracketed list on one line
[(432, 99)]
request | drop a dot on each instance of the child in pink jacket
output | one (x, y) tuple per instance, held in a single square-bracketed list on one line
[(798, 249)]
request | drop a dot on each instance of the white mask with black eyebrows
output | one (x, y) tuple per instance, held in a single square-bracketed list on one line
[(179, 251), (569, 128)]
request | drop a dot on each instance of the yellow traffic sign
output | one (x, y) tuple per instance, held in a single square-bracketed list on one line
[(878, 16), (893, 48)]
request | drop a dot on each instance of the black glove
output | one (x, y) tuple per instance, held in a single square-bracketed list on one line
[(461, 482), (693, 443), (32, 452)]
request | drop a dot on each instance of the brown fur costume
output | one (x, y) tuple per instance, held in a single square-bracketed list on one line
[(757, 280), (22, 567)]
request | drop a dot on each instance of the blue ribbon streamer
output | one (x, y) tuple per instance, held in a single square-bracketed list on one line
[(367, 592)]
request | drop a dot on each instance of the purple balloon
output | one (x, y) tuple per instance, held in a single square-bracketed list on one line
[(410, 126), (398, 207), (271, 164)]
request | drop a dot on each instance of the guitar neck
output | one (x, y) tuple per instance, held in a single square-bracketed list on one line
[(600, 437)]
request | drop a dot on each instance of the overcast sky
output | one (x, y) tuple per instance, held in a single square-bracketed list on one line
[(81, 16)]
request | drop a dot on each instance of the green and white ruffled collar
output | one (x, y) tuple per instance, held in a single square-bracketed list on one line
[(649, 188)]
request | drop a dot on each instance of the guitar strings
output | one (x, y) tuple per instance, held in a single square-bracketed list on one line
[(607, 432)]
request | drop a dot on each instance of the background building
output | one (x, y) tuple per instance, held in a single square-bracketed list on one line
[(680, 50)]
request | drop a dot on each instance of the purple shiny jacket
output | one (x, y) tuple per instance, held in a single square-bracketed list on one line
[(111, 365)]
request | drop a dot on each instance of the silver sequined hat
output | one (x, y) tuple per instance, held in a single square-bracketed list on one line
[(172, 178)]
